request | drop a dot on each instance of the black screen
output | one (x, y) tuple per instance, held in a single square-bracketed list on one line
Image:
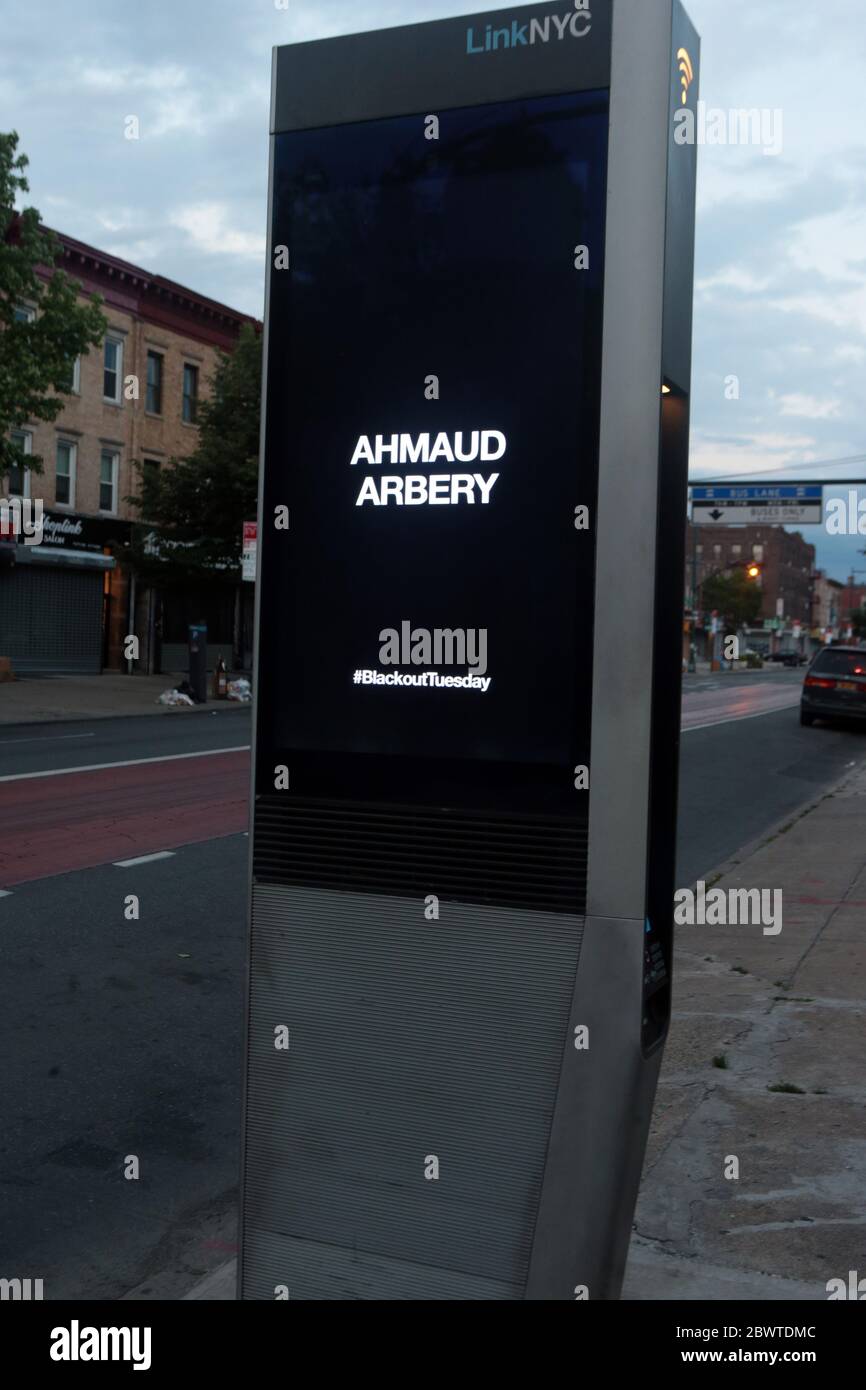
[(410, 259)]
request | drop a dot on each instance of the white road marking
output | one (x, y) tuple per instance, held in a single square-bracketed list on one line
[(4, 893), (144, 859), (47, 738), (132, 762)]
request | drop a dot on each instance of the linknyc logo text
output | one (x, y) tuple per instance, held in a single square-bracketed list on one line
[(576, 23)]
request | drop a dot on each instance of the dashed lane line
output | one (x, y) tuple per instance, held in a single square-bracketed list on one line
[(143, 859)]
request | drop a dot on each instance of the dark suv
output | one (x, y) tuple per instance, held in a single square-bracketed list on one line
[(835, 685)]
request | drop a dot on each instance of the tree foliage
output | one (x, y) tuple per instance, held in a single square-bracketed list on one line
[(195, 507), (736, 598), (36, 358), (858, 623)]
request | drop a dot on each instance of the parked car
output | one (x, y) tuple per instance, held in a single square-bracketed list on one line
[(835, 685), (789, 658)]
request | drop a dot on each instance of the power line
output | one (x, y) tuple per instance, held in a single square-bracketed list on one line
[(781, 472)]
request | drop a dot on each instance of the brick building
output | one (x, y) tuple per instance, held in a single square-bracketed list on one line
[(66, 604), (786, 559)]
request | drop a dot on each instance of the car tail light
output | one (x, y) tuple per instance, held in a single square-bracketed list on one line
[(815, 683)]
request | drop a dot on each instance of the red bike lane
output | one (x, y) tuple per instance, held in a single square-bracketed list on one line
[(60, 822)]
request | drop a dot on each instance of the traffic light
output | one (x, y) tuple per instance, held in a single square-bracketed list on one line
[(754, 571)]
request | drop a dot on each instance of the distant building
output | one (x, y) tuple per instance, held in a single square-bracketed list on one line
[(828, 617), (787, 562), (65, 605)]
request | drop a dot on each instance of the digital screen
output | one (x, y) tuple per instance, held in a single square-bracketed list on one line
[(432, 428)]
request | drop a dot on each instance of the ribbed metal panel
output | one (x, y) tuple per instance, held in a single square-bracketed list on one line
[(409, 1038), (308, 1270), (51, 619), (516, 861)]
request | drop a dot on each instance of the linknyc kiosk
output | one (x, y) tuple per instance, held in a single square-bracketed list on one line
[(471, 522)]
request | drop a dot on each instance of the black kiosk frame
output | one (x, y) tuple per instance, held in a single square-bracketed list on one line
[(475, 435)]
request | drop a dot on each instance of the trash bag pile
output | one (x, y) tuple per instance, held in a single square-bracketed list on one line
[(174, 697), (240, 691)]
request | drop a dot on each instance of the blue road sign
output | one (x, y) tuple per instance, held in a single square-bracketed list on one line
[(793, 504)]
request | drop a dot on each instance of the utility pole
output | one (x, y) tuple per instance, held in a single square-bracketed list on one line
[(693, 643)]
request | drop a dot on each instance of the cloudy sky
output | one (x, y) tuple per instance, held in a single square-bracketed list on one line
[(781, 257)]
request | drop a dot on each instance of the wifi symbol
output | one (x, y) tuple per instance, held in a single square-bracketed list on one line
[(687, 72)]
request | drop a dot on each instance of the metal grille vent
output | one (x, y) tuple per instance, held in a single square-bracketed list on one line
[(537, 863)]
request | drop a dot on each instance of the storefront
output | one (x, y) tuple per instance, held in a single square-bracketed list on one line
[(61, 601)]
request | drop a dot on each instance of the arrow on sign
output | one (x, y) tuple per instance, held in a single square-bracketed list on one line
[(716, 515)]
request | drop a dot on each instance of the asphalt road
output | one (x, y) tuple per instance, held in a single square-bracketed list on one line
[(31, 748), (122, 1039), (744, 769), (122, 1035)]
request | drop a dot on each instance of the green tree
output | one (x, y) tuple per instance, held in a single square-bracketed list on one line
[(198, 505), (736, 598), (36, 357)]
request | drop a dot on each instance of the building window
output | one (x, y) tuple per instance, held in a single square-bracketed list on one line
[(150, 472), (717, 552), (113, 370), (736, 551), (19, 477), (64, 492), (72, 382), (190, 394), (24, 314), (153, 404), (108, 465)]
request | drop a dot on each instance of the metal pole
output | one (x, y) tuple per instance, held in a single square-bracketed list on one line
[(130, 664), (693, 644)]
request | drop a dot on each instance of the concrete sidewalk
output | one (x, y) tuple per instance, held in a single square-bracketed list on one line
[(48, 699), (787, 1010), (784, 1010)]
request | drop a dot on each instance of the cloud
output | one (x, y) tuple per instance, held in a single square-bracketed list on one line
[(749, 455), (207, 226), (846, 312), (809, 407), (143, 252), (733, 277), (167, 77), (832, 245)]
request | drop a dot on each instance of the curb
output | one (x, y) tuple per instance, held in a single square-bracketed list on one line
[(159, 711)]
